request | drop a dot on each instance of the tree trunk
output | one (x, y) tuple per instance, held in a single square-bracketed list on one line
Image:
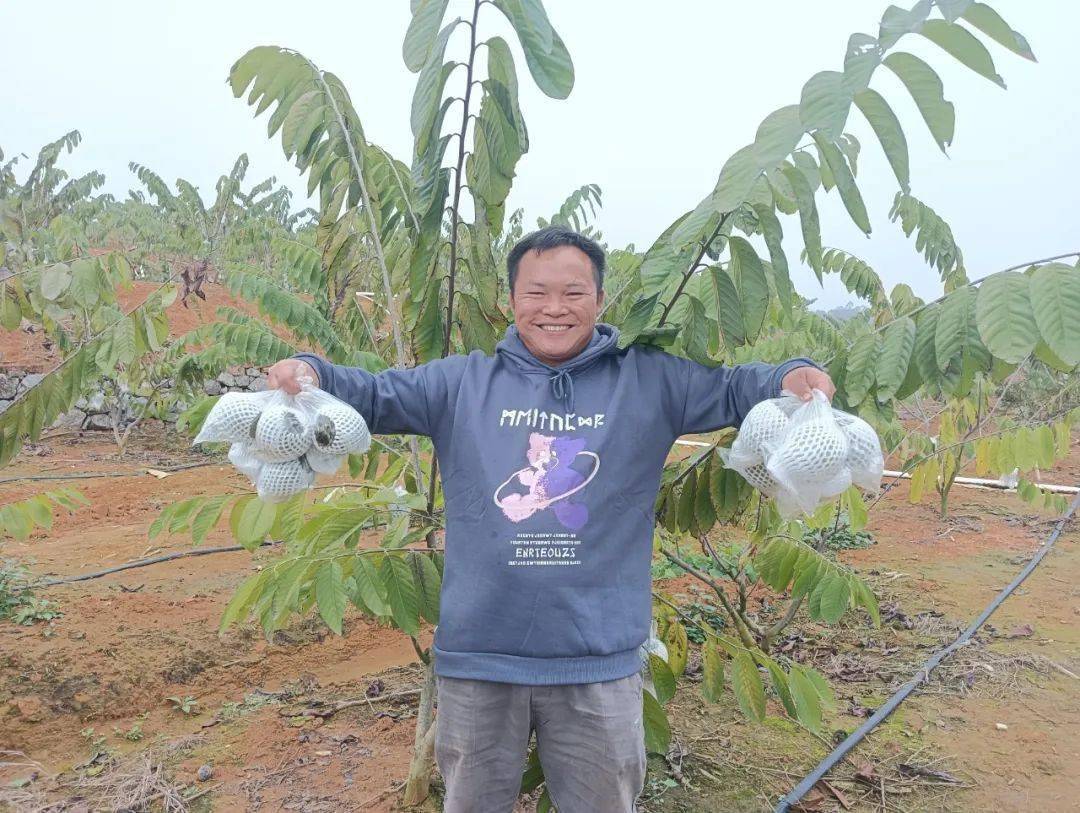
[(423, 759)]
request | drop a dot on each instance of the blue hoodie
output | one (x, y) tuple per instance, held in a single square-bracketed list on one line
[(550, 476)]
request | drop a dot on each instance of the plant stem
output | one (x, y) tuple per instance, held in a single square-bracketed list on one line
[(455, 217), (693, 267)]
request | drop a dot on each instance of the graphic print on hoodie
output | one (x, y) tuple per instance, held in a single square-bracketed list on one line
[(550, 475)]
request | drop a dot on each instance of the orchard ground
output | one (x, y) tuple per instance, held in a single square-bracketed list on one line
[(1002, 718)]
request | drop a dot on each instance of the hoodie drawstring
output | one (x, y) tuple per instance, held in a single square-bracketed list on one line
[(562, 387)]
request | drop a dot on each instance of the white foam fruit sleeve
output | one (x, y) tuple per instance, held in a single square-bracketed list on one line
[(281, 441), (803, 453)]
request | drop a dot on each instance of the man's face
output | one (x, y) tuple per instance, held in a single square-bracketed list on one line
[(555, 303)]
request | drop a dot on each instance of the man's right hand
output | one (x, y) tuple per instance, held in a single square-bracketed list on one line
[(287, 373)]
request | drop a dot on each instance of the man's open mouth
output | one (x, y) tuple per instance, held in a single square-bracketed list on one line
[(554, 328)]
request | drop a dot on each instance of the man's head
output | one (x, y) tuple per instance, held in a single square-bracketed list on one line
[(556, 291)]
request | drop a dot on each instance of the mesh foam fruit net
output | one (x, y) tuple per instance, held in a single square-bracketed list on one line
[(280, 441), (803, 453)]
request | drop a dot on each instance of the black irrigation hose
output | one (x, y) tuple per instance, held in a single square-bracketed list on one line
[(116, 473), (168, 557), (923, 674)]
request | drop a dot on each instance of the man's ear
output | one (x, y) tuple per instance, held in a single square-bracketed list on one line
[(600, 300)]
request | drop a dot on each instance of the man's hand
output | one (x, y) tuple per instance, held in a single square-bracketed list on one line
[(802, 380), (287, 373)]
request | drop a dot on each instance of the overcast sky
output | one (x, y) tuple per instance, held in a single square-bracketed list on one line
[(664, 93)]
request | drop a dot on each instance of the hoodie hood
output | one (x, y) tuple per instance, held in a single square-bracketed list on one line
[(604, 340)]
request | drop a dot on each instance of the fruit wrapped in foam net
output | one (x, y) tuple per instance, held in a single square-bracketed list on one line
[(281, 441), (803, 453)]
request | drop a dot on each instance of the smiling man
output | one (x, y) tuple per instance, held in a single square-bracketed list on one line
[(551, 452)]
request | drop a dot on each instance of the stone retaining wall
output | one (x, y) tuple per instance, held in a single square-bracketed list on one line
[(90, 411)]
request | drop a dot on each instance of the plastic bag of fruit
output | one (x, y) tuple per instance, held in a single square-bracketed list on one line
[(802, 453), (281, 441)]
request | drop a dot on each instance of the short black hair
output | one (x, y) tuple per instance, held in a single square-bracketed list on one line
[(553, 237)]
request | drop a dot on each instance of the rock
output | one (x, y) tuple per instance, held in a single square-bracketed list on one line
[(228, 379), (4, 405), (258, 384), (95, 403), (242, 380), (8, 387), (31, 380), (101, 421), (205, 773), (73, 418), (253, 372), (212, 387)]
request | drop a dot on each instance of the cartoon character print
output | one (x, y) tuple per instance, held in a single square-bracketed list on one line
[(551, 481)]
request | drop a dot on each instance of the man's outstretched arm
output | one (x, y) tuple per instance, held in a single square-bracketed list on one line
[(391, 402), (721, 396)]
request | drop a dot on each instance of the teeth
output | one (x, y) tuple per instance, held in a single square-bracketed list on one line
[(555, 328)]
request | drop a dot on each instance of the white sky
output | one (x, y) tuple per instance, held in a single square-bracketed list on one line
[(664, 93)]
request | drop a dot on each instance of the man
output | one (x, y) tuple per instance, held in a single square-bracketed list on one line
[(551, 454)]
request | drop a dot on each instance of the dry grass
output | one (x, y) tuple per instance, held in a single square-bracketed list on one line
[(137, 784)]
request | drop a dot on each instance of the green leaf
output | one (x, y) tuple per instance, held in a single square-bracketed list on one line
[(638, 318), (857, 514), (1055, 301), (428, 337), (207, 517), (422, 32), (963, 45), (897, 345), (834, 597), (749, 691), (545, 53), (808, 215), (429, 85), (1004, 316), (860, 61), (662, 677), (712, 671), (752, 284), (896, 22), (926, 89), (55, 280), (780, 683), (728, 307), (825, 103), (805, 697), (777, 135), (369, 586), (245, 596), (990, 23), (477, 332), (887, 128), (401, 593), (953, 326), (845, 182), (773, 234), (859, 377), (428, 582), (330, 594), (687, 496), (254, 523), (657, 730)]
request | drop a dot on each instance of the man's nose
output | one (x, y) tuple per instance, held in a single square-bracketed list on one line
[(554, 306)]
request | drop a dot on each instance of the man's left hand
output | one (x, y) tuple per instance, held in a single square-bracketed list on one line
[(802, 380)]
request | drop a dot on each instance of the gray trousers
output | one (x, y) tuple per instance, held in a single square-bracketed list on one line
[(590, 736)]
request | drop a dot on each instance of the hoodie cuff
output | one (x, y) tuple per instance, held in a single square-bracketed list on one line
[(776, 381)]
